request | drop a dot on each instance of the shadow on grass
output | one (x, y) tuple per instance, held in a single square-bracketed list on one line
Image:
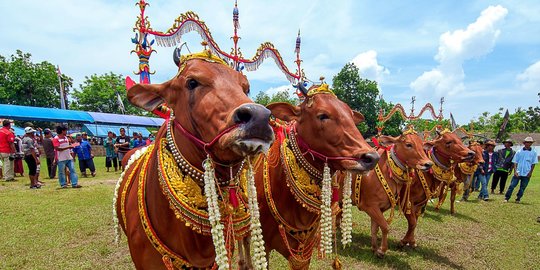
[(360, 249), (437, 215)]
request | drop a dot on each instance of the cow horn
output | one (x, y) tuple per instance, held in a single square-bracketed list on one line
[(176, 56), (302, 89)]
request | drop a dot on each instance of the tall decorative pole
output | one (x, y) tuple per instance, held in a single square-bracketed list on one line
[(380, 117), (298, 61), (413, 99), (236, 25), (143, 48), (441, 109)]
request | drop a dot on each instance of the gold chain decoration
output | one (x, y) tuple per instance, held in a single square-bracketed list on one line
[(397, 172), (177, 260), (467, 168), (388, 191), (442, 174), (357, 188), (425, 185)]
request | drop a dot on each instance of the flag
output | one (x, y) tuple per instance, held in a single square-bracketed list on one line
[(453, 122), (120, 103), (503, 126)]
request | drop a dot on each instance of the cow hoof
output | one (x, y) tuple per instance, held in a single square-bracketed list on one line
[(401, 244), (379, 253)]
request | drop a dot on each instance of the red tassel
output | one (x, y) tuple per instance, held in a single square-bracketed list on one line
[(233, 197), (335, 194)]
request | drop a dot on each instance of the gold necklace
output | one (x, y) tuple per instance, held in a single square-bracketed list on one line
[(467, 169), (442, 174)]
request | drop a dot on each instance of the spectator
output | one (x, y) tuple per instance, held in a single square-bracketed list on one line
[(48, 147), (475, 185), (137, 141), (86, 159), (30, 156), (487, 169), (7, 150), (63, 149), (524, 161), (122, 146), (19, 156), (504, 166), (111, 158)]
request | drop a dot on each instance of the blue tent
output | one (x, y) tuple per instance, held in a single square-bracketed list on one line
[(17, 112), (132, 120), (102, 130), (19, 131)]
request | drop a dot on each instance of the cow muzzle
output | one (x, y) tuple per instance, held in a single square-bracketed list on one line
[(254, 134), (364, 163)]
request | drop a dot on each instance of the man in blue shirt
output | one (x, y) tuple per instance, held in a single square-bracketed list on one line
[(137, 140), (524, 161), (84, 153)]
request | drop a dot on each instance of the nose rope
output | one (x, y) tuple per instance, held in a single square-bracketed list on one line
[(200, 143), (322, 157)]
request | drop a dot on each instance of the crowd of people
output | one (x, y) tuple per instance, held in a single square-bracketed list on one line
[(501, 164), (60, 152)]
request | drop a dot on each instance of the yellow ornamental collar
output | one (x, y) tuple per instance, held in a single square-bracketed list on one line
[(321, 89)]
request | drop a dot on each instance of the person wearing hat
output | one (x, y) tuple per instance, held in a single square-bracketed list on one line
[(524, 161), (7, 150), (486, 170), (504, 166), (48, 148), (30, 156)]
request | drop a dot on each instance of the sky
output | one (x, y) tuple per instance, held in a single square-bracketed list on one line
[(479, 55)]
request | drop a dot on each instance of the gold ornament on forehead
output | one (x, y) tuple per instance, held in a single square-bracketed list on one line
[(321, 89), (205, 55), (410, 130)]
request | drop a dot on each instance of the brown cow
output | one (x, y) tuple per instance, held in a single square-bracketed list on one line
[(165, 222), (464, 173), (321, 129), (445, 151), (376, 192)]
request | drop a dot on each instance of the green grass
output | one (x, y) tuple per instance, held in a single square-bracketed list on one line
[(55, 228)]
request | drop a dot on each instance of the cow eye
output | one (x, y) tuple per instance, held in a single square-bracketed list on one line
[(409, 145), (192, 84), (448, 144), (323, 116)]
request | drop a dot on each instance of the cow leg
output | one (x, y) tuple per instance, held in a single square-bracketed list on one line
[(442, 196), (408, 239), (378, 221), (374, 232), (244, 256), (453, 192)]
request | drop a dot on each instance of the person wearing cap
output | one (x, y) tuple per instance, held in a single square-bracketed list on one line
[(48, 147), (487, 169), (30, 156), (475, 183), (122, 146), (504, 166), (524, 161), (7, 150)]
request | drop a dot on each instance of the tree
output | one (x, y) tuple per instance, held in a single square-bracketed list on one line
[(23, 82), (361, 95), (281, 96), (98, 93)]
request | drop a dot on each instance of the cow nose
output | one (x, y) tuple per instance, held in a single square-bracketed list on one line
[(369, 160), (251, 113), (470, 155)]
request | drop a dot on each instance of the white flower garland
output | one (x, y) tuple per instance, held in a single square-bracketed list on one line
[(259, 256), (222, 260), (132, 159), (346, 221), (326, 215)]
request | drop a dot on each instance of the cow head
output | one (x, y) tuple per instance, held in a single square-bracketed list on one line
[(208, 97), (450, 145), (477, 149), (408, 149), (328, 125)]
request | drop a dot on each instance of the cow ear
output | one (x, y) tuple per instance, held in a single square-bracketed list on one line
[(147, 96), (428, 145), (387, 140), (358, 117), (284, 111)]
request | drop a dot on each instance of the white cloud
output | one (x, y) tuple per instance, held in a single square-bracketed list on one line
[(284, 88), (530, 78), (369, 67), (456, 47)]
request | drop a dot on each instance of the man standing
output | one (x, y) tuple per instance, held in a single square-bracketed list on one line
[(63, 147), (48, 147), (137, 140), (31, 157), (111, 158), (122, 144), (524, 161), (487, 169), (7, 150), (84, 153), (504, 166)]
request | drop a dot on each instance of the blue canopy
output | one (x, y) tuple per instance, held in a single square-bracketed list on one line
[(19, 131), (126, 119), (17, 112), (102, 130)]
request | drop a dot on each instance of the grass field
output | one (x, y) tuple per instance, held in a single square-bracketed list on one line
[(54, 228)]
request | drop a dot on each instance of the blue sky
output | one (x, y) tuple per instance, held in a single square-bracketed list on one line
[(479, 55)]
